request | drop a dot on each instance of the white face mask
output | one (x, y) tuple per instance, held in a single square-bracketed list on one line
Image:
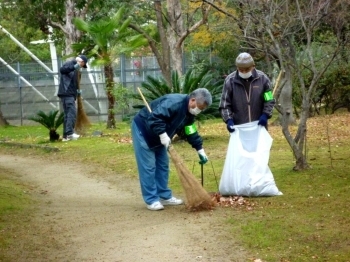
[(195, 111), (245, 75)]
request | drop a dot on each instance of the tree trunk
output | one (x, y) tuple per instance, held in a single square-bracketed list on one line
[(71, 33), (111, 123), (285, 108), (285, 98), (174, 32), (296, 144), (164, 59), (300, 139), (3, 121)]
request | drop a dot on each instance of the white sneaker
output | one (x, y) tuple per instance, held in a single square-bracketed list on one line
[(155, 206), (173, 201), (65, 139), (73, 136)]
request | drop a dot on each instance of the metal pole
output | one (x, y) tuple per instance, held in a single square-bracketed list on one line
[(20, 92), (202, 177), (122, 70)]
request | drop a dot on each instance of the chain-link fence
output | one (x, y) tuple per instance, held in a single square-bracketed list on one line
[(27, 88)]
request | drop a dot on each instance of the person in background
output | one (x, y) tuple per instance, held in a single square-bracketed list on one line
[(246, 95), (151, 135), (67, 92)]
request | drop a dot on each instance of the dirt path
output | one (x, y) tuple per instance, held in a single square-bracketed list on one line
[(83, 217)]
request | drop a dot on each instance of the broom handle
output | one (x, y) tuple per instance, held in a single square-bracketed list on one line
[(277, 82), (202, 177), (144, 100)]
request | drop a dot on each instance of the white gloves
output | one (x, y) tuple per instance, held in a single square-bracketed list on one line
[(202, 156), (165, 140)]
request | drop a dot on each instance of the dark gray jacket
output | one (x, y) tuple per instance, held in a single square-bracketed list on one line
[(68, 80), (242, 106), (169, 114)]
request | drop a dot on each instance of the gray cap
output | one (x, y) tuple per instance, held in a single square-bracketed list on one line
[(244, 60)]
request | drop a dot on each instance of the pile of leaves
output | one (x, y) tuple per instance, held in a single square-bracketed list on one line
[(231, 201)]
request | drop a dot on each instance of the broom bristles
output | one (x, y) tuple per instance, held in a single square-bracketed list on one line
[(82, 122), (197, 198)]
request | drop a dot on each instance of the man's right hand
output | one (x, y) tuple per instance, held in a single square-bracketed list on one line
[(230, 125), (77, 66), (79, 63), (165, 140)]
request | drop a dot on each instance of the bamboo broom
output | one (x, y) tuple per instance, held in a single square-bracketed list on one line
[(277, 82), (197, 198), (82, 120)]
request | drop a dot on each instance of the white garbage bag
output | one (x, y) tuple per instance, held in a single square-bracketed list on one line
[(246, 171)]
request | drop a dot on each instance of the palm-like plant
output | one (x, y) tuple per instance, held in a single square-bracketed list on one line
[(103, 42), (193, 79), (51, 121)]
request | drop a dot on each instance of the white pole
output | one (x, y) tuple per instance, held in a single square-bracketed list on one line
[(53, 59), (54, 66), (25, 81)]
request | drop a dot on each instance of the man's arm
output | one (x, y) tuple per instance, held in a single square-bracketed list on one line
[(269, 100), (68, 67)]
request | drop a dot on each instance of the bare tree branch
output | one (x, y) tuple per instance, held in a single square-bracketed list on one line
[(58, 26), (205, 14), (220, 9)]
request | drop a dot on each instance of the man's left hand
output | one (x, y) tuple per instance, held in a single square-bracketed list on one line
[(202, 156)]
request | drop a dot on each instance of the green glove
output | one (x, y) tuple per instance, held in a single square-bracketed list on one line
[(202, 156)]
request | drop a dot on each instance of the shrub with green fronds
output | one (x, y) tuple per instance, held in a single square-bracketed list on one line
[(205, 77), (154, 88), (51, 121)]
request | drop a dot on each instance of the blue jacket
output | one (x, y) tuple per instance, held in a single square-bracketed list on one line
[(68, 80), (169, 114)]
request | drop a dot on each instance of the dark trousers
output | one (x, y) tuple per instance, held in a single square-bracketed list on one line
[(70, 115)]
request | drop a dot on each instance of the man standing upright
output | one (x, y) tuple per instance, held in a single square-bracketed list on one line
[(246, 95), (246, 105), (67, 92)]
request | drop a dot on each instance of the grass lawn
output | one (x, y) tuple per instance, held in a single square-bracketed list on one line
[(309, 222), (15, 209)]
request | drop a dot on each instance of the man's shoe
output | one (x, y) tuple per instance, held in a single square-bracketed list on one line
[(73, 136), (155, 206), (173, 201), (65, 139)]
